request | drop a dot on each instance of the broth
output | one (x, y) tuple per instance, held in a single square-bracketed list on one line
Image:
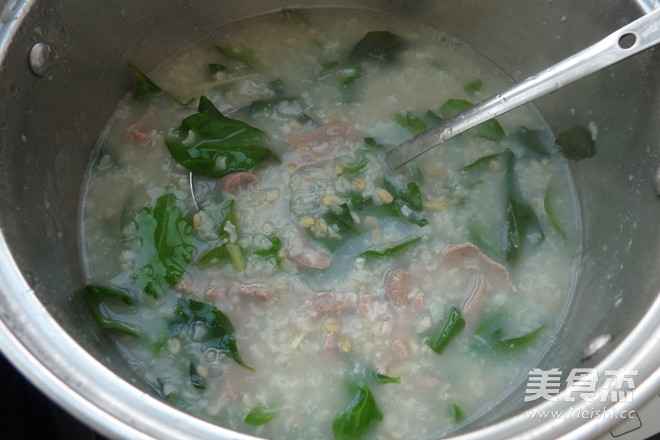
[(318, 294)]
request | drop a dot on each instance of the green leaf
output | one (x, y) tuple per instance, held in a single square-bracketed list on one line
[(518, 343), (227, 232), (452, 326), (327, 69), (473, 87), (371, 142), (212, 145), (360, 416), (387, 379), (235, 55), (406, 201), (489, 130), (521, 223), (166, 248), (412, 124), (530, 140), (575, 143), (295, 17), (97, 298), (390, 248), (548, 206), (260, 415), (359, 163), (382, 46), (219, 334), (273, 252), (144, 86), (350, 75), (343, 219), (456, 412)]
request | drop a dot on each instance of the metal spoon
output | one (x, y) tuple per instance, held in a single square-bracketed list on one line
[(637, 36)]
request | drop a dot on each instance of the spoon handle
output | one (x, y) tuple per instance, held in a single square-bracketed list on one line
[(635, 37)]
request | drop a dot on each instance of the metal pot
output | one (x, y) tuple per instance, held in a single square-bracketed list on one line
[(63, 69)]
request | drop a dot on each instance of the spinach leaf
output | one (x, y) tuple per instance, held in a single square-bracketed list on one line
[(406, 201), (521, 223), (228, 234), (273, 252), (371, 142), (295, 17), (530, 140), (452, 326), (391, 248), (212, 145), (167, 246), (342, 220), (144, 86), (219, 334), (97, 297), (350, 75), (359, 417), (489, 130), (327, 69), (244, 59), (473, 87), (387, 379), (548, 206), (412, 124), (260, 415), (518, 343), (575, 143), (457, 413), (360, 163), (381, 46)]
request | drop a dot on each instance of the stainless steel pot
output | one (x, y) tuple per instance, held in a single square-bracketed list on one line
[(63, 69)]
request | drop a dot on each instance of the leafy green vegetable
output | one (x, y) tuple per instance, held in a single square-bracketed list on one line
[(195, 379), (295, 17), (387, 379), (260, 415), (228, 249), (219, 334), (575, 143), (359, 417), (327, 69), (381, 46), (456, 412), (144, 86), (489, 130), (548, 206), (371, 142), (473, 87), (244, 59), (530, 140), (452, 326), (406, 201), (273, 252), (518, 343), (97, 297), (212, 145), (167, 246), (412, 124), (343, 220), (391, 248), (360, 163), (521, 223), (350, 75)]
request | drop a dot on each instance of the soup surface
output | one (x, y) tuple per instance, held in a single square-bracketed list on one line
[(261, 267)]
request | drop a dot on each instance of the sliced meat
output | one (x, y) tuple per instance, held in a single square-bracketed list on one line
[(417, 302), (307, 253), (137, 132), (331, 302), (469, 256), (313, 146), (397, 286), (329, 342), (232, 181), (257, 291), (364, 306), (399, 349)]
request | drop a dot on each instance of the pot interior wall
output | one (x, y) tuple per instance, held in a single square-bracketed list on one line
[(49, 124)]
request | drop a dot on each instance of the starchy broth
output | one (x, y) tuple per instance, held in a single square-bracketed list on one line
[(274, 299)]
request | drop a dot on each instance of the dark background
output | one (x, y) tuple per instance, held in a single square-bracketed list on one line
[(26, 414)]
